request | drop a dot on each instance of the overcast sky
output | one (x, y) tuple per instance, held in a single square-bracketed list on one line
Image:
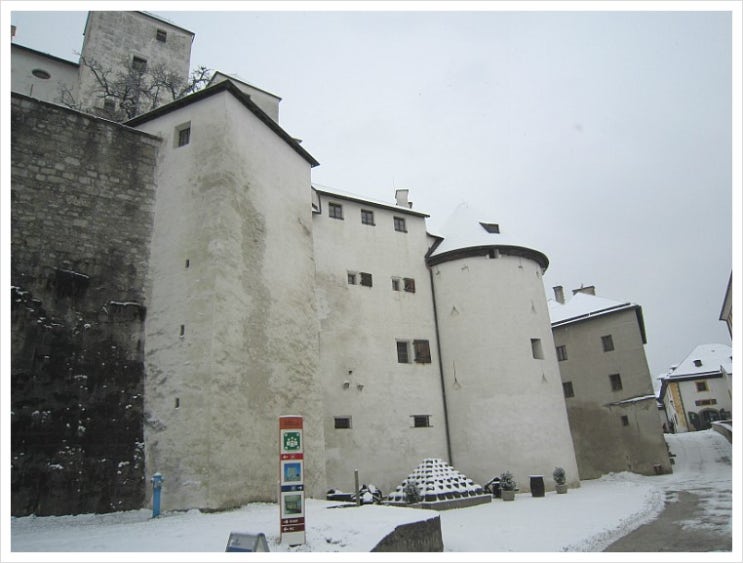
[(603, 139)]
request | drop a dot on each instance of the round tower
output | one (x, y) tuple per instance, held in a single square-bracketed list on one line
[(503, 392)]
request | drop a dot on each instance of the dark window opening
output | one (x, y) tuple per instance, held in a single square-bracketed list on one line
[(335, 210), (161, 35), (536, 349), (607, 342), (367, 217), (343, 422), (625, 420), (616, 382), (366, 279), (422, 351), (40, 73), (184, 136), (562, 353), (403, 356), (421, 421), (409, 284), (493, 228), (567, 389), (702, 386), (351, 278), (396, 284), (400, 224), (139, 64)]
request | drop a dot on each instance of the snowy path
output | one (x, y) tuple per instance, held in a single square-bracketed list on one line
[(586, 519)]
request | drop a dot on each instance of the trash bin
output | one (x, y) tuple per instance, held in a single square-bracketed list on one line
[(536, 484)]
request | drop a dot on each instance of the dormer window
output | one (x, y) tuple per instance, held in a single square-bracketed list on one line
[(698, 363), (492, 228)]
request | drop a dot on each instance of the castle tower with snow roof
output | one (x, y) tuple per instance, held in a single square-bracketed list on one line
[(502, 386)]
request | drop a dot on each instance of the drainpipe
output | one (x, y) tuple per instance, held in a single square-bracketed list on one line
[(441, 369)]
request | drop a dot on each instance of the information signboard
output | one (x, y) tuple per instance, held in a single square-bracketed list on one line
[(291, 479)]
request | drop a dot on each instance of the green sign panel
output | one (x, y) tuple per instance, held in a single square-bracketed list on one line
[(292, 442)]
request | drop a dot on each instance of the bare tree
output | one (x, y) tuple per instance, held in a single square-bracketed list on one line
[(134, 88)]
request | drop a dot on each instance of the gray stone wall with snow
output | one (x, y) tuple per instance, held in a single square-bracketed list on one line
[(82, 212)]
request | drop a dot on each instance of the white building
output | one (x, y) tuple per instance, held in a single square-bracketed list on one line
[(698, 391), (270, 296)]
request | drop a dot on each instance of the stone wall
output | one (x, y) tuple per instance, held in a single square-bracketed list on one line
[(82, 197)]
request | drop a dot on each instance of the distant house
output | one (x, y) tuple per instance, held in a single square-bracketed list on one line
[(608, 390), (698, 391)]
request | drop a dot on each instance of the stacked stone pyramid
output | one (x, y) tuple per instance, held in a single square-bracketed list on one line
[(435, 481)]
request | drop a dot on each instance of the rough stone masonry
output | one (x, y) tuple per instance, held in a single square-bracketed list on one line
[(82, 197)]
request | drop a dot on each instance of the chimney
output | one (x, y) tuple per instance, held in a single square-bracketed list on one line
[(401, 197), (559, 294), (589, 290)]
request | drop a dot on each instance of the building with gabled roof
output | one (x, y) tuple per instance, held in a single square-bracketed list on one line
[(607, 386), (698, 390)]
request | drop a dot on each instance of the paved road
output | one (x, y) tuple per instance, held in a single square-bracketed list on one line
[(698, 511)]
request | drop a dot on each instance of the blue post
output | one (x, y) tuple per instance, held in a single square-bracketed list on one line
[(157, 484)]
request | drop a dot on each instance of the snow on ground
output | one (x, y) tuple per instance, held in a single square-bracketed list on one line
[(587, 519)]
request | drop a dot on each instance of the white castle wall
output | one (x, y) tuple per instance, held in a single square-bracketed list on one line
[(235, 204), (359, 329), (62, 75), (506, 408)]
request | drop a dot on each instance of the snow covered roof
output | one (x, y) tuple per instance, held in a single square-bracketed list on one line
[(583, 306), (464, 230), (334, 192), (705, 359)]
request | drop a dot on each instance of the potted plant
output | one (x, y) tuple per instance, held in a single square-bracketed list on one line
[(559, 476), (507, 486)]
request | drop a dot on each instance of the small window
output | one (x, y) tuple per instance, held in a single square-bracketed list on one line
[(184, 136), (139, 64), (422, 351), (492, 228), (183, 330), (562, 353), (702, 386), (395, 284), (400, 224), (616, 382), (567, 389), (109, 104), (367, 217), (366, 279), (161, 35), (403, 354), (343, 422), (536, 349), (607, 342), (409, 284), (625, 420), (698, 363), (335, 210), (421, 421), (351, 278), (41, 73)]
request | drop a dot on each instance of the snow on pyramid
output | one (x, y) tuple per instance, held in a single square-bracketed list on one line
[(434, 481)]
